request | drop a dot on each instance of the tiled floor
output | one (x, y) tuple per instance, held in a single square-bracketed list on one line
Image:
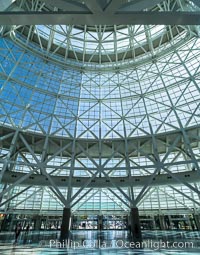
[(96, 243)]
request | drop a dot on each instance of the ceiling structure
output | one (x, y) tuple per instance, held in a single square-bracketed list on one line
[(86, 105), (99, 12)]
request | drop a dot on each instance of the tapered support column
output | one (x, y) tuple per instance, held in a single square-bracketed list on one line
[(170, 222), (162, 222), (66, 224), (136, 233), (197, 221), (100, 222), (153, 222), (38, 222)]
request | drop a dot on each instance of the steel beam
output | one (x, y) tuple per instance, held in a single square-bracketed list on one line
[(196, 2), (139, 5), (74, 18), (4, 4), (103, 182), (64, 5)]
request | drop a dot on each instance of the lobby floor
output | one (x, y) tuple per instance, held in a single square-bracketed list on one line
[(104, 242)]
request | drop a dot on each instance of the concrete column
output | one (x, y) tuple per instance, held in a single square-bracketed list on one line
[(100, 222), (136, 233), (38, 222), (197, 221), (170, 222), (153, 222), (66, 224), (162, 222)]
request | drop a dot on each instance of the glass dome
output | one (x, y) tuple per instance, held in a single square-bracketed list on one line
[(99, 44), (42, 96)]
